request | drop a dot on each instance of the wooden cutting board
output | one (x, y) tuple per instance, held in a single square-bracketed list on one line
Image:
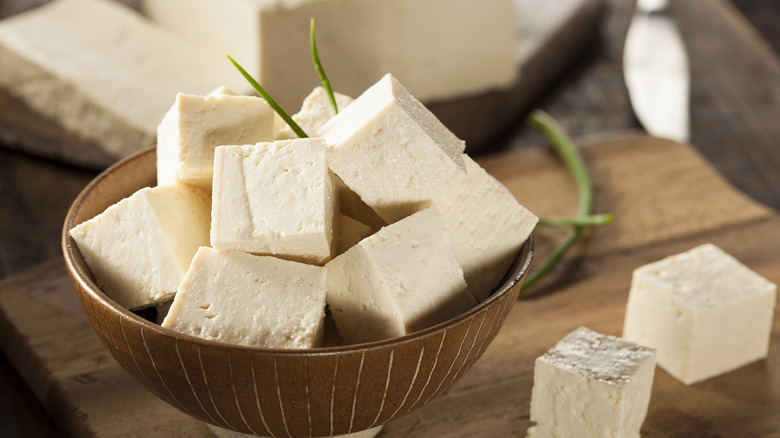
[(561, 28), (666, 199)]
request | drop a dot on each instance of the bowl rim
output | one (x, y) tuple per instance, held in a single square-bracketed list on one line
[(516, 272)]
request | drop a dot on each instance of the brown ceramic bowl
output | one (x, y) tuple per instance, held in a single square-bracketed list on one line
[(300, 393)]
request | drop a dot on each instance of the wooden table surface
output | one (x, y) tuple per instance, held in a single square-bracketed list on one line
[(735, 113)]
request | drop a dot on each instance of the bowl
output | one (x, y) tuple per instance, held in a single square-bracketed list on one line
[(271, 392)]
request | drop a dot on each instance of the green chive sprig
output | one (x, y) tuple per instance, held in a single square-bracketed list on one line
[(276, 107), (595, 220), (321, 71), (584, 218)]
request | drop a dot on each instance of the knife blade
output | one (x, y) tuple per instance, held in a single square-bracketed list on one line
[(655, 67)]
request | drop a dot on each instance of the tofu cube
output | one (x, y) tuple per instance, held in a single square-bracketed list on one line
[(196, 125), (275, 199), (439, 48), (139, 248), (705, 312), (591, 385), (314, 112), (242, 299), (102, 70), (391, 151), (487, 227), (400, 280)]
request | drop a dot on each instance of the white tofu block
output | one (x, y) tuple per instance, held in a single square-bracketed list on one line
[(440, 48), (400, 280), (351, 232), (103, 71), (351, 205), (314, 112), (242, 299), (196, 125), (591, 385), (487, 227), (391, 151), (139, 248), (705, 312), (275, 199)]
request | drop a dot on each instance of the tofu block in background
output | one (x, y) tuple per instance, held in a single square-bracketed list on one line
[(196, 125), (591, 385), (487, 227), (393, 152), (704, 311), (314, 112), (351, 205), (242, 299), (441, 49), (102, 70), (351, 232), (275, 199), (400, 280), (139, 248)]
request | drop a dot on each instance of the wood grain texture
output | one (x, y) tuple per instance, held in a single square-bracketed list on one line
[(762, 15), (35, 195), (75, 380)]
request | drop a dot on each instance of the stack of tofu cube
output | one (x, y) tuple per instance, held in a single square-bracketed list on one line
[(252, 232)]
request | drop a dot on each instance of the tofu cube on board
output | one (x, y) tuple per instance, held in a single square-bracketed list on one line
[(402, 279), (393, 152), (196, 125), (487, 227), (703, 310), (314, 112), (239, 298), (139, 248), (102, 70), (591, 385), (275, 199)]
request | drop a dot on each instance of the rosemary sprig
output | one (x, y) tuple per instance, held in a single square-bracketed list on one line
[(574, 162), (276, 107), (321, 71)]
